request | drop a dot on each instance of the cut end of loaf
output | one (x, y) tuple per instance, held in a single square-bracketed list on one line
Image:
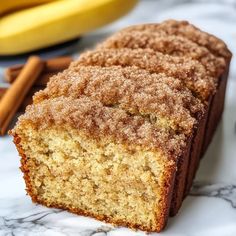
[(106, 180)]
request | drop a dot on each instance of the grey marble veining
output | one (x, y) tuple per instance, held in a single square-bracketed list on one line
[(20, 217), (224, 191)]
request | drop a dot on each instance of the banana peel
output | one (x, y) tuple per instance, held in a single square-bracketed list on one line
[(56, 22), (7, 6)]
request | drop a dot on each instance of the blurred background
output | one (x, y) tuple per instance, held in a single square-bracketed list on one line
[(79, 24)]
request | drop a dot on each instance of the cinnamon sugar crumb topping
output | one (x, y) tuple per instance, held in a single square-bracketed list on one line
[(183, 28), (157, 96), (191, 72), (95, 120), (167, 44)]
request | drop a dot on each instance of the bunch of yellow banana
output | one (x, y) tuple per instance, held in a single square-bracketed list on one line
[(27, 25)]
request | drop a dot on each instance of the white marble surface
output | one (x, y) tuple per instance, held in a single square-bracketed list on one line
[(211, 207)]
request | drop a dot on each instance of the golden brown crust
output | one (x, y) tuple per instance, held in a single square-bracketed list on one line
[(167, 44), (185, 29), (24, 167), (216, 109), (197, 143), (180, 180), (190, 72), (207, 128)]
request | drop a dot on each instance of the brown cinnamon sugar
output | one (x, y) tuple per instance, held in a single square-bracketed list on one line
[(192, 73), (161, 98), (183, 28), (167, 44), (97, 121)]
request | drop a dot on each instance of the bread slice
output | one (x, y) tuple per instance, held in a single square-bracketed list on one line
[(136, 90), (159, 106), (93, 160)]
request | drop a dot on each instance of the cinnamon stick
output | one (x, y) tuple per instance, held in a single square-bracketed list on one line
[(52, 66), (2, 91), (27, 100), (14, 96)]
